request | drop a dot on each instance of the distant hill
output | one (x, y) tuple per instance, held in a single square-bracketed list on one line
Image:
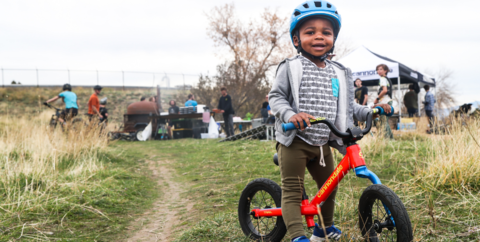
[(23, 101)]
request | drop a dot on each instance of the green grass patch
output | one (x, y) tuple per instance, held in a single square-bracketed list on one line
[(97, 209), (216, 173)]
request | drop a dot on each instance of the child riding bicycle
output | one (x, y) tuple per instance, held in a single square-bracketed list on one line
[(71, 103), (308, 86)]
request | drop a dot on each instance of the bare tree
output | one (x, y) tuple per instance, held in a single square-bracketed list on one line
[(444, 88), (253, 49), (343, 47)]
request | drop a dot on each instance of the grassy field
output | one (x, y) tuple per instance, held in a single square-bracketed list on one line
[(68, 186), (437, 178), (76, 186)]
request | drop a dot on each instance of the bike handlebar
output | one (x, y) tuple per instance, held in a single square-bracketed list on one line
[(290, 126), (50, 106)]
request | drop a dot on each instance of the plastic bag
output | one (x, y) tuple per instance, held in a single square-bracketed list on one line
[(147, 132), (212, 129)]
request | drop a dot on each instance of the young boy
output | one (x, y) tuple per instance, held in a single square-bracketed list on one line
[(94, 103), (361, 94), (309, 86), (103, 110), (384, 97)]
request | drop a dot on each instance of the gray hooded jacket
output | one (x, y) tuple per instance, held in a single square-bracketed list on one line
[(283, 100)]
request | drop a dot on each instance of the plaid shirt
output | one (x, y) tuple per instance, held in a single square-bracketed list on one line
[(429, 101), (317, 99)]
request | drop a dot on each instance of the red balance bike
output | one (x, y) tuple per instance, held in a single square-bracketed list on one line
[(382, 215)]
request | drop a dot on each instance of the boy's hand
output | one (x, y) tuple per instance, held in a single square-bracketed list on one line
[(387, 108), (298, 119)]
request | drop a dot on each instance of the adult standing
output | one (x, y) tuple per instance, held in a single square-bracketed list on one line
[(191, 102), (264, 110), (361, 93), (225, 105), (94, 103), (429, 105), (173, 109), (411, 101)]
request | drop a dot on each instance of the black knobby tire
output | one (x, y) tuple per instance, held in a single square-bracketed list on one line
[(374, 220), (53, 123), (261, 193)]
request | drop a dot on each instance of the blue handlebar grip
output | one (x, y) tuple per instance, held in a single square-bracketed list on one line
[(382, 112), (290, 126)]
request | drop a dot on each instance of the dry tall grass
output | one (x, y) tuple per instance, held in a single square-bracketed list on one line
[(454, 158), (37, 164)]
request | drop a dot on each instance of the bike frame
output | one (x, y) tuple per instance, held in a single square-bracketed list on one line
[(352, 160)]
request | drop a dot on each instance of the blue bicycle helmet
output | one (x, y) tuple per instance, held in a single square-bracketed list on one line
[(310, 9)]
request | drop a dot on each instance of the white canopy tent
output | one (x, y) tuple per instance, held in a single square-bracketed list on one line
[(363, 62)]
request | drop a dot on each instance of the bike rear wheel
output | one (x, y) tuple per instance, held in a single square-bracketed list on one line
[(261, 193), (376, 223)]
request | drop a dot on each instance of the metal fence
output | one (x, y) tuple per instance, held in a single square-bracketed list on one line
[(45, 77)]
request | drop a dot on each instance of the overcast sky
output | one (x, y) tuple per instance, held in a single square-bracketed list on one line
[(170, 36)]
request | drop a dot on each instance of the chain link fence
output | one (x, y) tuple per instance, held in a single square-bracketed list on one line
[(54, 77)]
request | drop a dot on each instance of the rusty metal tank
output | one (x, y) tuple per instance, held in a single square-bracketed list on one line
[(139, 114), (144, 107)]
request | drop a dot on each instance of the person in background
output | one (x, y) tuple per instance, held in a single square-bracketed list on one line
[(429, 105), (142, 99), (152, 99), (103, 110), (384, 97), (264, 110), (94, 103), (271, 117), (191, 102), (361, 93), (173, 109), (71, 103), (225, 105), (411, 101)]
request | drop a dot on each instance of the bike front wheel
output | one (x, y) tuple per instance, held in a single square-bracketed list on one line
[(261, 193), (382, 216)]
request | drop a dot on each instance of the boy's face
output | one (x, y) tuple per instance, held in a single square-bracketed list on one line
[(317, 36), (358, 83), (381, 71), (224, 93)]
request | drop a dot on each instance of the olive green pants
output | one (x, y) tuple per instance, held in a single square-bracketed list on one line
[(292, 161)]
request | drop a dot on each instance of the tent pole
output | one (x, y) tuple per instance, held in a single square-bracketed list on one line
[(400, 101)]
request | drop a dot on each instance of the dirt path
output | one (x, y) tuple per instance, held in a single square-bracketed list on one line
[(159, 223)]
